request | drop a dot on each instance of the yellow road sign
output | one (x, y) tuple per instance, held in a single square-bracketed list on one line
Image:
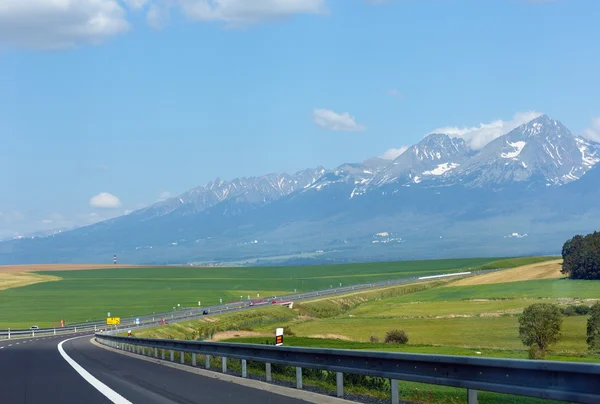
[(113, 321)]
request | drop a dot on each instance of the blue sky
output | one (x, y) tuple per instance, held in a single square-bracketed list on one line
[(131, 100)]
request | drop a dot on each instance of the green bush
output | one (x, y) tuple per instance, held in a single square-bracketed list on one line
[(374, 338), (582, 309), (396, 337), (287, 330), (575, 310)]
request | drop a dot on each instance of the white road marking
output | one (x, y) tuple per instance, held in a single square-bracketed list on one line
[(112, 395), (17, 343), (9, 344), (1, 347)]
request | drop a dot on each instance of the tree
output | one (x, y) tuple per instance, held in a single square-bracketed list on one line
[(539, 327), (593, 328), (581, 257)]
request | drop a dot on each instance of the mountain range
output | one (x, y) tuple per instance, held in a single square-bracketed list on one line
[(525, 192)]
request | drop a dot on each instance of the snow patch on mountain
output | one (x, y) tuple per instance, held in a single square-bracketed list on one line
[(589, 155), (518, 147), (441, 169)]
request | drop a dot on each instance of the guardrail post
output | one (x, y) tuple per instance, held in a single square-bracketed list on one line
[(207, 357), (156, 352), (268, 372), (298, 377), (55, 331), (339, 383), (224, 364), (163, 354), (471, 396), (194, 359), (33, 333), (172, 355), (95, 329), (244, 372), (395, 395), (138, 349), (182, 360), (143, 350), (75, 329)]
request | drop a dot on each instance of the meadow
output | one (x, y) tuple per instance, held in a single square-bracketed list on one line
[(90, 294)]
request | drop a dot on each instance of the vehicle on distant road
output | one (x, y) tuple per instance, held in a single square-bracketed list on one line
[(205, 312), (34, 327)]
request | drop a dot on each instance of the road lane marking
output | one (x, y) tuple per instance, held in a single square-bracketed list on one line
[(109, 393), (9, 344)]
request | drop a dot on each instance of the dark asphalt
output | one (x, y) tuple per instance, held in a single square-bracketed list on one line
[(33, 371)]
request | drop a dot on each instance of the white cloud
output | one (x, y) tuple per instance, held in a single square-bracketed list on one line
[(593, 132), (331, 120), (164, 195), (244, 12), (105, 200), (391, 154), (479, 136), (58, 24)]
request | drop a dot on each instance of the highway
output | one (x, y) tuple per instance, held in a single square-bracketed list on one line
[(34, 371)]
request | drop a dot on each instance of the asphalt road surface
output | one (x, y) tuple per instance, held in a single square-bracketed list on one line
[(34, 371)]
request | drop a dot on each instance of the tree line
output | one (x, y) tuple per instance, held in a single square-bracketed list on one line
[(581, 257)]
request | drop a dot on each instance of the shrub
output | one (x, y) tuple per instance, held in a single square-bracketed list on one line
[(287, 330), (374, 338), (396, 337), (568, 311), (539, 327), (578, 310)]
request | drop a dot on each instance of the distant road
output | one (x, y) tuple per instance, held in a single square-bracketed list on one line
[(34, 371)]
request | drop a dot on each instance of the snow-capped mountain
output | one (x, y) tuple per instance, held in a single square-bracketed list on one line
[(253, 190), (543, 151), (355, 175), (439, 197), (435, 155)]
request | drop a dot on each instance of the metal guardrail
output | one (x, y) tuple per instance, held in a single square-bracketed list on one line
[(194, 313), (568, 381)]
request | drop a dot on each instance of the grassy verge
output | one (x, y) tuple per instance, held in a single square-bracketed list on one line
[(207, 327), (333, 306)]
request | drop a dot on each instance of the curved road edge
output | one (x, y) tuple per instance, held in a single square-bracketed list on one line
[(288, 392)]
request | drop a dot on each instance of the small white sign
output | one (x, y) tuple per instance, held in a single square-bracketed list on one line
[(108, 314), (199, 303)]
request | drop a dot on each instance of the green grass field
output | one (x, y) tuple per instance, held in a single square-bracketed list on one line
[(543, 288), (89, 295)]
